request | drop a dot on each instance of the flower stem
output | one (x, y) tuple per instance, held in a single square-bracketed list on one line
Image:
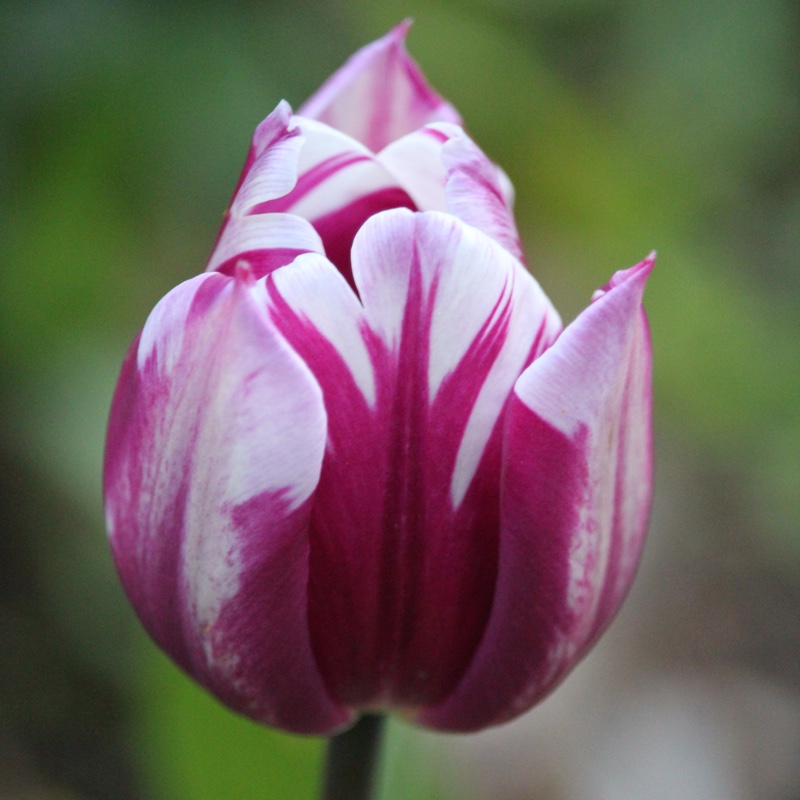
[(352, 759)]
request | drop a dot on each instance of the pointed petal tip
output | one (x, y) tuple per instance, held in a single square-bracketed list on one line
[(279, 122), (638, 272), (643, 268), (395, 38), (283, 112), (400, 31)]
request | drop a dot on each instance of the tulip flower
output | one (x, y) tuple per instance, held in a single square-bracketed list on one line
[(356, 465)]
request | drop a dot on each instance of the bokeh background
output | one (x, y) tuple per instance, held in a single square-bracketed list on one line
[(625, 126)]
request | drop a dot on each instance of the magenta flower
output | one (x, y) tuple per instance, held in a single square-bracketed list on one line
[(357, 465)]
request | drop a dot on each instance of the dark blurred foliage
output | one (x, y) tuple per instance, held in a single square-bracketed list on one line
[(624, 126)]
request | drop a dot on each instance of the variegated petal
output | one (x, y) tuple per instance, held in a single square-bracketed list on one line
[(214, 451)]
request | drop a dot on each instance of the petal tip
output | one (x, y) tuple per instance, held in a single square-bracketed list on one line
[(379, 95), (638, 272), (400, 31)]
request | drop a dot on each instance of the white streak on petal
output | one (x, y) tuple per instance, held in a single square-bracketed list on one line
[(506, 187), (474, 290), (357, 171), (274, 171), (416, 162), (318, 293), (261, 428), (532, 317), (164, 330), (382, 252)]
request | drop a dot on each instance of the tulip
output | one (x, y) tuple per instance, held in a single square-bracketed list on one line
[(357, 465)]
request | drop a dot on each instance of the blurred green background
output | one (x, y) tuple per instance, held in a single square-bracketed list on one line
[(625, 126)]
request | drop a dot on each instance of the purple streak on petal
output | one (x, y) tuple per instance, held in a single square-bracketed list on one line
[(203, 500), (541, 473), (341, 184), (310, 180), (337, 229), (433, 132), (400, 583), (145, 496), (260, 262), (575, 502), (442, 559), (379, 95), (146, 565), (344, 539), (264, 652)]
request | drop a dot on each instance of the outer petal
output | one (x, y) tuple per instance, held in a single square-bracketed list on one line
[(270, 171), (379, 95), (575, 501), (214, 448), (444, 170), (405, 519)]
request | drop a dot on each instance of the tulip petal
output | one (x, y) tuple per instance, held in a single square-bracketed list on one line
[(575, 502), (214, 450), (442, 169), (379, 95), (404, 526), (477, 193)]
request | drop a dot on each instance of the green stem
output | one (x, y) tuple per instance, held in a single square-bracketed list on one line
[(352, 760)]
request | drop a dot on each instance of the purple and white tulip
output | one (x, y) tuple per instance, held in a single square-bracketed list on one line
[(356, 464)]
